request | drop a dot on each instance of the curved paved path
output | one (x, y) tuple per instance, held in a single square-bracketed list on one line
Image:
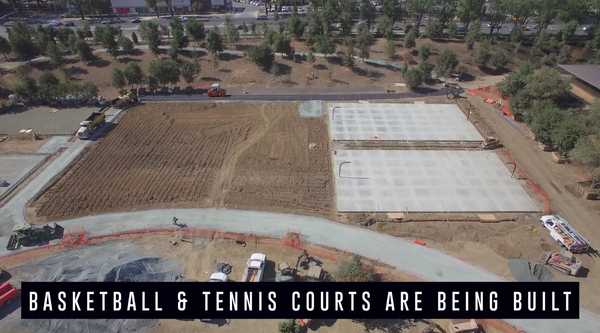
[(424, 262)]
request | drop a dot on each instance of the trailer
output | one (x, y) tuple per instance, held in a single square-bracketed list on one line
[(90, 124), (563, 233), (564, 262), (32, 235), (7, 293), (255, 267)]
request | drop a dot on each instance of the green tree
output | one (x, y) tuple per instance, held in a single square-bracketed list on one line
[(118, 79), (134, 38), (26, 88), (364, 41), (546, 84), (410, 39), (189, 71), (5, 48), (325, 44), (349, 52), (473, 34), (419, 8), (48, 86), (262, 56), (154, 5), (165, 71), (414, 78), (232, 35), (452, 30), (126, 45), (354, 270), (289, 326), (151, 34), (367, 12), (21, 42), (133, 74), (385, 26), (215, 42), (566, 134), (282, 44), (499, 59), (390, 48), (483, 54), (446, 63), (195, 29), (296, 26), (516, 81), (544, 121), (179, 39), (469, 11), (587, 150), (424, 53), (84, 51), (56, 55)]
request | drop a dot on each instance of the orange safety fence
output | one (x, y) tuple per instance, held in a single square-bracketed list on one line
[(491, 95)]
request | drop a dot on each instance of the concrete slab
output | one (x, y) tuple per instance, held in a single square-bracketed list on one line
[(400, 122), (54, 144), (13, 167), (426, 181)]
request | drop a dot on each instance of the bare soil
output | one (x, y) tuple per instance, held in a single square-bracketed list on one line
[(20, 146), (200, 155)]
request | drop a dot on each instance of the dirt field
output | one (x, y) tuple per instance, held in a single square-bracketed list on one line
[(18, 145), (200, 155)]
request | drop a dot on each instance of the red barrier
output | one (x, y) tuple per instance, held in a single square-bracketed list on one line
[(492, 95)]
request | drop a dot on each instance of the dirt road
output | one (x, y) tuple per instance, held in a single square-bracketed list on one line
[(539, 166)]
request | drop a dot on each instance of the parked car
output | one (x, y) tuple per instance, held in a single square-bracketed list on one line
[(136, 20)]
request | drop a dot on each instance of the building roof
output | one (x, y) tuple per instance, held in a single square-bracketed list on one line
[(589, 74)]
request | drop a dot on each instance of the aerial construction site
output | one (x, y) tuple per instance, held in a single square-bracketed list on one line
[(175, 188)]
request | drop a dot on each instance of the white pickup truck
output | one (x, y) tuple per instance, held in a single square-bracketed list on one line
[(255, 268), (562, 232)]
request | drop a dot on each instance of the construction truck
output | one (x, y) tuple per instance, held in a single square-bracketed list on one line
[(126, 100), (32, 235), (8, 293), (563, 261), (463, 326), (255, 266), (563, 233), (215, 90), (90, 124), (490, 143), (218, 277)]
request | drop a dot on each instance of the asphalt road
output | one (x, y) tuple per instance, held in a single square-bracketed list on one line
[(293, 97)]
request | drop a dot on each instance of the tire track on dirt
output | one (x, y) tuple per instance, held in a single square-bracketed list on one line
[(223, 182)]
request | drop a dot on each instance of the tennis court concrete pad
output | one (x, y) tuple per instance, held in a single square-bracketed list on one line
[(400, 122), (426, 181)]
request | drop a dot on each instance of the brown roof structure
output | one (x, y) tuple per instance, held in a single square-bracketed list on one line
[(589, 74)]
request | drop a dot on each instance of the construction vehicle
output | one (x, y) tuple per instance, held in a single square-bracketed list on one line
[(7, 293), (312, 266), (563, 261), (453, 90), (90, 124), (32, 235), (463, 326), (490, 143), (218, 277), (126, 100), (285, 273), (563, 233), (216, 91), (255, 266)]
